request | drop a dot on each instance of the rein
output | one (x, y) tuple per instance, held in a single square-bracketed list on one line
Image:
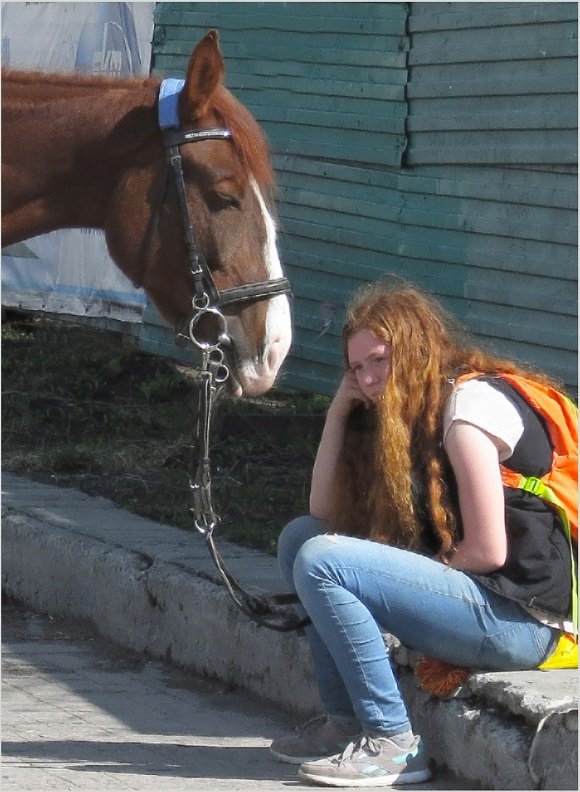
[(207, 302)]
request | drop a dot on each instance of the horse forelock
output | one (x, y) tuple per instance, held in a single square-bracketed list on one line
[(248, 139)]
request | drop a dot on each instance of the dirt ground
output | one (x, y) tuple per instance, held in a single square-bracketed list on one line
[(84, 408)]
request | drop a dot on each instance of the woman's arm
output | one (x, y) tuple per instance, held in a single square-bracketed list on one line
[(474, 459), (346, 398)]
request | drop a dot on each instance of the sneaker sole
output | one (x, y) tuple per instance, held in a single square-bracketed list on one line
[(414, 777), (298, 760)]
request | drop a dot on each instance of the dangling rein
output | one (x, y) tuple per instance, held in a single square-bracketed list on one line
[(267, 611)]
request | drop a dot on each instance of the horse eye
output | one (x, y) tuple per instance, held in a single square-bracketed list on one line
[(227, 200)]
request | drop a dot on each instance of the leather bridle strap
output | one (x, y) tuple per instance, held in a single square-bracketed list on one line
[(250, 292), (202, 277), (173, 139), (208, 299), (200, 271)]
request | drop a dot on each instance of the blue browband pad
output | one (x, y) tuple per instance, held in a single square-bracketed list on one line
[(168, 102)]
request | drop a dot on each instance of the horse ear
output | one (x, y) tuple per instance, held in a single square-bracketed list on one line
[(205, 72)]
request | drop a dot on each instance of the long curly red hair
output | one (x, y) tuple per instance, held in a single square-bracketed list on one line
[(393, 483)]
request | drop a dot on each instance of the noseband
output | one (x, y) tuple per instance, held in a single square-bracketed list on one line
[(207, 301)]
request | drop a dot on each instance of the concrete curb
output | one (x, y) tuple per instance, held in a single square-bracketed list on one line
[(148, 605), (151, 588)]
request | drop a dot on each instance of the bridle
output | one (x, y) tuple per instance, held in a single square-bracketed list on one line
[(207, 302), (207, 297)]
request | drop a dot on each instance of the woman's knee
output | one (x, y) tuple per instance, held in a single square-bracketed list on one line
[(292, 538), (319, 558)]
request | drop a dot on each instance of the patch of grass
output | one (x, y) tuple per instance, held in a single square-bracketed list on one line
[(84, 408)]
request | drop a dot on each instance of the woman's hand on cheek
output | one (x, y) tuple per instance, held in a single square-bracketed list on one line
[(348, 396)]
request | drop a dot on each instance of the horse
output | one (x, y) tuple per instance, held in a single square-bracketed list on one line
[(88, 152)]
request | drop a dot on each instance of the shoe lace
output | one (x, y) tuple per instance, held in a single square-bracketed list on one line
[(364, 743)]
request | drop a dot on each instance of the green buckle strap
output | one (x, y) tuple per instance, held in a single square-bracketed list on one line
[(537, 487)]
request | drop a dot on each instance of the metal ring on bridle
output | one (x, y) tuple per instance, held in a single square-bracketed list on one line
[(207, 346), (200, 302), (220, 370)]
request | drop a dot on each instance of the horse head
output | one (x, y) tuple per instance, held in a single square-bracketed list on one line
[(228, 184)]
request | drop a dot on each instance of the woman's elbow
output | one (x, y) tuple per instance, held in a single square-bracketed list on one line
[(493, 558), (318, 510), (481, 560)]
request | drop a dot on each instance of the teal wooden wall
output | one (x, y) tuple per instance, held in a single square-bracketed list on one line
[(492, 93), (433, 140)]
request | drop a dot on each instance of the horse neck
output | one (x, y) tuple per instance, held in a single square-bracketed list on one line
[(66, 142)]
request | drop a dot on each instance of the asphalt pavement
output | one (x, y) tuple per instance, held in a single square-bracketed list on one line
[(81, 714)]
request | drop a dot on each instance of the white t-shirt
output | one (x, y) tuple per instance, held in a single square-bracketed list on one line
[(480, 404)]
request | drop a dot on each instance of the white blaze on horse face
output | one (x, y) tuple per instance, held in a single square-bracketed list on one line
[(258, 375)]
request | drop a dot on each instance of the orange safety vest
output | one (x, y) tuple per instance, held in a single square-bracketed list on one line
[(558, 487)]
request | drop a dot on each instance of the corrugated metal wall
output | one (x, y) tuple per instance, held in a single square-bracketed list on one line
[(433, 140)]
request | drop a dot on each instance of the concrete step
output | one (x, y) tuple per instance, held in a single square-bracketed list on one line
[(153, 588)]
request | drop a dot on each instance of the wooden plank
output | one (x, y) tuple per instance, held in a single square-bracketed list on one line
[(314, 141), (426, 17), (307, 87), (296, 16), (433, 247), (471, 217), (493, 147), (527, 257), (537, 112), (541, 224), (531, 188), (499, 185), (429, 86), (447, 274), (508, 289), (525, 34), (323, 37), (505, 48), (372, 237), (501, 321), (352, 198), (344, 115), (378, 73), (559, 364), (329, 72), (381, 58), (341, 172), (343, 275)]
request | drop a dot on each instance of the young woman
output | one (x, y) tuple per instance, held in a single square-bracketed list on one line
[(412, 532)]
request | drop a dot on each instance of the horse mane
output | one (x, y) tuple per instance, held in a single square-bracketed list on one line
[(67, 81), (247, 137)]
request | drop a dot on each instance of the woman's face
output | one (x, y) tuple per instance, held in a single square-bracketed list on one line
[(369, 359)]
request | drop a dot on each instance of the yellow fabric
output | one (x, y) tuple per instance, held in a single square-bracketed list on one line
[(565, 655)]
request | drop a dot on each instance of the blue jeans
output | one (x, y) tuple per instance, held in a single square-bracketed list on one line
[(354, 590)]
